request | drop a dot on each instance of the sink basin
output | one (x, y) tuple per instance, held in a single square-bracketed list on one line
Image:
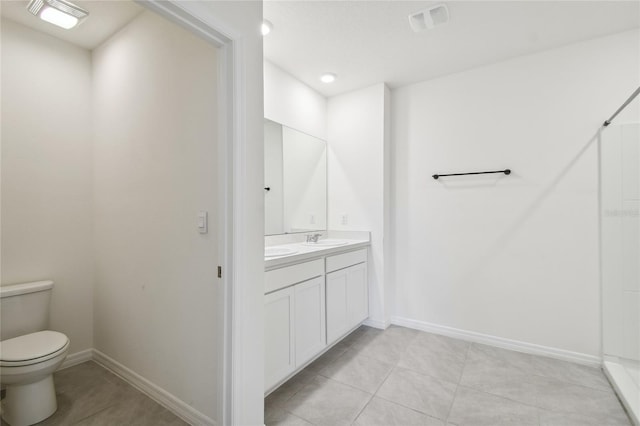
[(278, 251), (327, 243)]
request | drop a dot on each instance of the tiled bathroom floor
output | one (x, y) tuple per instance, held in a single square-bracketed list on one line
[(406, 377), (89, 395)]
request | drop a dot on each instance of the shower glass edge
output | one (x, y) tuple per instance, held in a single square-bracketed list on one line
[(619, 166)]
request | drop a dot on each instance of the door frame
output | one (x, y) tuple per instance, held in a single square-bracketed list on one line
[(232, 118)]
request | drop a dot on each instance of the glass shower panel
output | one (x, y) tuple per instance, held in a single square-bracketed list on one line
[(620, 257)]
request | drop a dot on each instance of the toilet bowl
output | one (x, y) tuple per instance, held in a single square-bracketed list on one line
[(27, 364), (29, 354)]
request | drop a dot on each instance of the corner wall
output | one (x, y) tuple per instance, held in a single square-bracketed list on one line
[(358, 177), (514, 257), (47, 211)]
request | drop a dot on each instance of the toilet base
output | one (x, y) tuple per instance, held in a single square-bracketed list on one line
[(31, 403)]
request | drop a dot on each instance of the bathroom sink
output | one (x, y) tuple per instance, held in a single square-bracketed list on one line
[(278, 251), (326, 243)]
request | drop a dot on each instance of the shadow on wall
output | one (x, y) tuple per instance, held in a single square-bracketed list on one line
[(472, 181), (501, 242)]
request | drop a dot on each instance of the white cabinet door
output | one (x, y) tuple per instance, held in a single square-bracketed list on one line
[(278, 336), (310, 337), (357, 294), (337, 315), (347, 300)]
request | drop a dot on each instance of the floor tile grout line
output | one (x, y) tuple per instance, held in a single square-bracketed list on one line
[(316, 374), (537, 407), (103, 408), (371, 396), (340, 383), (398, 366), (410, 408), (393, 367), (94, 414), (455, 392), (282, 406), (468, 345), (326, 378), (601, 389), (357, 345), (528, 404), (398, 403), (359, 354), (346, 384), (375, 393)]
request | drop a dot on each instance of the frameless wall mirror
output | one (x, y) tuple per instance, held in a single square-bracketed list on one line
[(295, 180)]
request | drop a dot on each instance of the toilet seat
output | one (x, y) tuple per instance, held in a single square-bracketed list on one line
[(32, 348)]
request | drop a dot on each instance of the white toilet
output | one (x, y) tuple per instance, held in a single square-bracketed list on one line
[(29, 353)]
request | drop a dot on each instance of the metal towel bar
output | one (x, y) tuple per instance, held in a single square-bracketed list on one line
[(505, 171)]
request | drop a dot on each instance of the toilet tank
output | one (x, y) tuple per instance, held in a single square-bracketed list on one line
[(24, 308)]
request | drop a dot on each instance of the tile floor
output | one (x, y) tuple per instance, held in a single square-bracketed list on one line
[(89, 395), (406, 377)]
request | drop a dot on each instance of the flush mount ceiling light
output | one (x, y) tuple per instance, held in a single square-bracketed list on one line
[(328, 77), (266, 27), (57, 12)]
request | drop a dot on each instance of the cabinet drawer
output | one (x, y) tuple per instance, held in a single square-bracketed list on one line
[(341, 261), (285, 277)]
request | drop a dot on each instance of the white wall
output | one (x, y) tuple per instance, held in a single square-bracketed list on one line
[(358, 142), (157, 298), (47, 213), (290, 102), (514, 257)]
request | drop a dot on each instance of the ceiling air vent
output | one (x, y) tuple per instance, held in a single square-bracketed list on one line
[(429, 18)]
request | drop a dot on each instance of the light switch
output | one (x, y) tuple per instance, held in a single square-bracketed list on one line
[(203, 225)]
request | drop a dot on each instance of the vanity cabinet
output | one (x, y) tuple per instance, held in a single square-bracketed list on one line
[(347, 293), (309, 306), (294, 318)]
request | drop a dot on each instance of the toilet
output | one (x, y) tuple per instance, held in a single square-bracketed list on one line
[(29, 353)]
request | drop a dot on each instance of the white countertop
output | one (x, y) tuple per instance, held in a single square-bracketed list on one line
[(308, 252)]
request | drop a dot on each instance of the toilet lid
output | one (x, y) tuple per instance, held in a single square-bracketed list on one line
[(31, 347)]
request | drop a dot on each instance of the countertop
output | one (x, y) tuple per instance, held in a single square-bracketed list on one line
[(307, 252)]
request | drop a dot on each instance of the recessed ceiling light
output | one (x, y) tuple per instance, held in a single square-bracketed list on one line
[(328, 77), (57, 12), (266, 27)]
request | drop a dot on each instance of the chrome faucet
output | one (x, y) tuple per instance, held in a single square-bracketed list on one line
[(313, 238)]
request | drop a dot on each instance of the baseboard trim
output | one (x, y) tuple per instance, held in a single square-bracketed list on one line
[(382, 325), (626, 389), (77, 358), (153, 391), (499, 342)]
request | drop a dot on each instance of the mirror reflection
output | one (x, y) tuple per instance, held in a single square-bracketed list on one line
[(295, 176)]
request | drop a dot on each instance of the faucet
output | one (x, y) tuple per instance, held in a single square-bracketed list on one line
[(313, 238)]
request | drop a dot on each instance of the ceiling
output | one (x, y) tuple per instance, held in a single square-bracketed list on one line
[(105, 18), (367, 42)]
